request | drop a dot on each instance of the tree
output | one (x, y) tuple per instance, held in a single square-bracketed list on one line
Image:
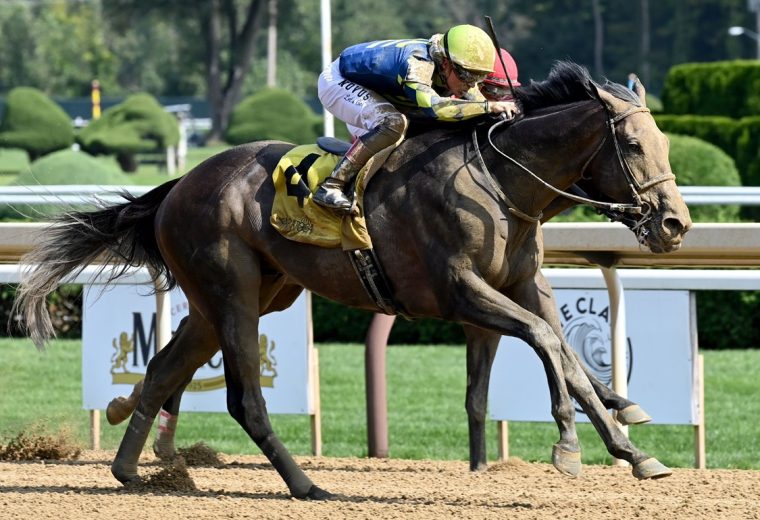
[(229, 30), (57, 47), (596, 8)]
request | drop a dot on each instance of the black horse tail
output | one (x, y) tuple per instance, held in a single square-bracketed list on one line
[(117, 237)]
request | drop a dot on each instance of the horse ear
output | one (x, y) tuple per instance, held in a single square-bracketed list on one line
[(613, 104), (639, 89)]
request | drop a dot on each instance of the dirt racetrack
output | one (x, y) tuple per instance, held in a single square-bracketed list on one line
[(247, 487)]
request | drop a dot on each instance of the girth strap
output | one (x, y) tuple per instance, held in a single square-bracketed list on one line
[(373, 279)]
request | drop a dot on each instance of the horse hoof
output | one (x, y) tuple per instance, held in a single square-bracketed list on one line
[(125, 473), (651, 468), (117, 410), (135, 483), (317, 493), (122, 407), (164, 451), (633, 414), (567, 462)]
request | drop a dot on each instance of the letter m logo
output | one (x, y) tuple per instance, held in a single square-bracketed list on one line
[(145, 347)]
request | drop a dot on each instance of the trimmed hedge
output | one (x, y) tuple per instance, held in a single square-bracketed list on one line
[(335, 322), (64, 305), (64, 167), (739, 138), (35, 123), (70, 167), (725, 88), (138, 124), (698, 163), (273, 114)]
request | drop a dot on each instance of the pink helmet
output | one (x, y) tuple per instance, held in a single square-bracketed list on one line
[(499, 76)]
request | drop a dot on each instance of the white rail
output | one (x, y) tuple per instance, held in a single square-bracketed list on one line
[(720, 195), (87, 194), (67, 194)]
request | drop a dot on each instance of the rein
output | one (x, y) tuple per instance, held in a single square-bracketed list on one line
[(615, 211)]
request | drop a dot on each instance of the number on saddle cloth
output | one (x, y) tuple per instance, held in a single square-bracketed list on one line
[(296, 216)]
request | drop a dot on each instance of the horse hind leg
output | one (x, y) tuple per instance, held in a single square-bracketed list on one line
[(230, 295), (120, 408), (481, 350), (167, 373), (274, 297)]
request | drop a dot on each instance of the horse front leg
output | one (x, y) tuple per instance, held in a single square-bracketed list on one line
[(538, 296), (644, 466), (627, 411), (481, 350), (478, 304)]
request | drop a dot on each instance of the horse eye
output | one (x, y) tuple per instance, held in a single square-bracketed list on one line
[(633, 144)]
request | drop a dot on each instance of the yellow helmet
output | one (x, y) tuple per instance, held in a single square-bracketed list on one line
[(470, 48)]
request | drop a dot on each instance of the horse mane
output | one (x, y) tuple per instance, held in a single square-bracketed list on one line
[(567, 83)]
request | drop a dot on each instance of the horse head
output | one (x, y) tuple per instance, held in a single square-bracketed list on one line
[(632, 167), (603, 140)]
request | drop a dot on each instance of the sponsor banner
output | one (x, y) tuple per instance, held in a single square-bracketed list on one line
[(119, 338), (660, 357)]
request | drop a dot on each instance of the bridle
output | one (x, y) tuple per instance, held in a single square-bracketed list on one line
[(634, 215)]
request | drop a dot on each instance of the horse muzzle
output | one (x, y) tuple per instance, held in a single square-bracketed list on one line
[(664, 234)]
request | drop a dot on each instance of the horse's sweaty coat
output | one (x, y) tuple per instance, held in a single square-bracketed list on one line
[(450, 246)]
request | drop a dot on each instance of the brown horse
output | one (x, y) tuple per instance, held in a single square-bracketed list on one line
[(454, 217)]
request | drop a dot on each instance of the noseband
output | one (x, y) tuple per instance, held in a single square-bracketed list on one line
[(634, 215)]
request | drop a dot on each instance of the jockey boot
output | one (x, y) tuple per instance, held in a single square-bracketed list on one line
[(330, 193)]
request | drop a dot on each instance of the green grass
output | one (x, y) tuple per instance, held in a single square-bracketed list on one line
[(426, 413)]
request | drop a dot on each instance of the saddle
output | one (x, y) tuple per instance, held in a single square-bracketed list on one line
[(297, 217)]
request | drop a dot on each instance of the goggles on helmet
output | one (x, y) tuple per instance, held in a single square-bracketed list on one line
[(468, 76), (496, 92)]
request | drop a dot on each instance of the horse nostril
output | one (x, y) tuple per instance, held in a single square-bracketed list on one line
[(674, 226)]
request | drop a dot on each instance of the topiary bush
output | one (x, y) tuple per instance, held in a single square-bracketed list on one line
[(697, 163), (64, 305), (13, 161), (273, 114), (718, 130), (64, 167), (138, 124), (34, 123), (739, 138), (726, 88), (747, 155)]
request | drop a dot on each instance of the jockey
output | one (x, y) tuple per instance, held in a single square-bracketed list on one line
[(496, 86), (375, 86)]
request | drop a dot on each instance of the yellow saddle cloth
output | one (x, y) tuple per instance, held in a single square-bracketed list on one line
[(297, 217)]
